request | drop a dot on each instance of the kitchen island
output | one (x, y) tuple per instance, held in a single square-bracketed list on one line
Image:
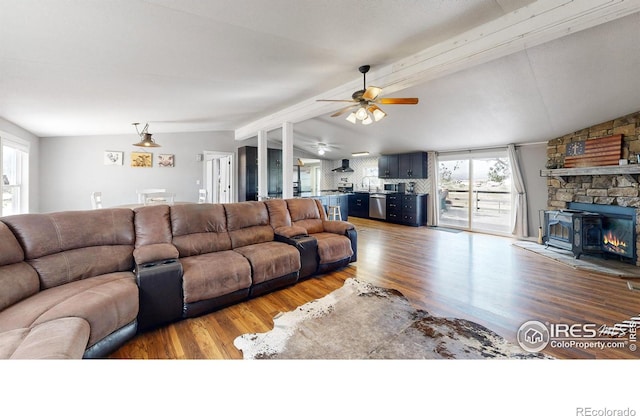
[(328, 198)]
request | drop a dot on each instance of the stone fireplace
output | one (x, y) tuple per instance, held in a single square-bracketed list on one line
[(612, 191)]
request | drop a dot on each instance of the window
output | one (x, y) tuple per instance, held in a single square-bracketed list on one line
[(370, 178), (15, 173)]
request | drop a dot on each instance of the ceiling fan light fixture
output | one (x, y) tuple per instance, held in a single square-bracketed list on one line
[(367, 120), (377, 113), (352, 118), (361, 114)]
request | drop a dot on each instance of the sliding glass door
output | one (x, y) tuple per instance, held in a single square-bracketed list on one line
[(474, 191)]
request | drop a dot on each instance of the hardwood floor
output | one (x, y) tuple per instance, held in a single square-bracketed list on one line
[(479, 277)]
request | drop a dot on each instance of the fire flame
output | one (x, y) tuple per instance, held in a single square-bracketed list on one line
[(612, 242)]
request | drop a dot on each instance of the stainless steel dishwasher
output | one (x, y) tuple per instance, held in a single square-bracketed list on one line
[(378, 206)]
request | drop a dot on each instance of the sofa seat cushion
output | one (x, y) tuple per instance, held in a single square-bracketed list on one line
[(108, 302), (333, 247), (271, 260), (62, 338), (211, 275)]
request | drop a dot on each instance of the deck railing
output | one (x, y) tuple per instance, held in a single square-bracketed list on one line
[(481, 199)]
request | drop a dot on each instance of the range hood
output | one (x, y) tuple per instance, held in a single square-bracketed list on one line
[(344, 168)]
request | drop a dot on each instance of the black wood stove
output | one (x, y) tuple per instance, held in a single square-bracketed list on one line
[(574, 230), (609, 230)]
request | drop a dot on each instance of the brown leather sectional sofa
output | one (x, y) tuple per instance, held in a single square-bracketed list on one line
[(81, 283)]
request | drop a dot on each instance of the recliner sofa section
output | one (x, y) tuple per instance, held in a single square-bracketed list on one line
[(303, 222), (228, 253), (81, 283), (231, 252), (67, 287)]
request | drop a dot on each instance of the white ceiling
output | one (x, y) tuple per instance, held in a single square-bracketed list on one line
[(78, 67)]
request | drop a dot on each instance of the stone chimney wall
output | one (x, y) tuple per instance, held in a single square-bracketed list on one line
[(622, 190), (628, 126)]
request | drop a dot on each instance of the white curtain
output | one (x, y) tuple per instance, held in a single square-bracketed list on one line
[(432, 198), (520, 227)]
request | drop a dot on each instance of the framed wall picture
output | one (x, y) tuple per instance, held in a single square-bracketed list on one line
[(141, 159), (113, 157), (166, 161)]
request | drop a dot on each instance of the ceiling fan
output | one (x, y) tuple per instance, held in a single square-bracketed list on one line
[(322, 148), (365, 102)]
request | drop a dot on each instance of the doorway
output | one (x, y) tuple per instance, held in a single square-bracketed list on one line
[(218, 177), (474, 191), (14, 167)]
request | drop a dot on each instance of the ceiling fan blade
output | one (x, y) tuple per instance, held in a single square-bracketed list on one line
[(397, 101), (344, 110), (339, 101), (371, 93)]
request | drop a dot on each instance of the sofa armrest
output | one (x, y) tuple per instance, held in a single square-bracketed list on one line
[(337, 227), (291, 231), (154, 253), (308, 248), (160, 293), (352, 234)]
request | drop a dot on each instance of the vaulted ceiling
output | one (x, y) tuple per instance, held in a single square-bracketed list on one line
[(487, 72)]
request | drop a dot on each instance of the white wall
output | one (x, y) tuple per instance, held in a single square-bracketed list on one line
[(73, 167), (11, 130), (533, 157)]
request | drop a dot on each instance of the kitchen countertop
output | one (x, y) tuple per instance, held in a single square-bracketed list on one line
[(388, 193), (322, 193), (337, 193)]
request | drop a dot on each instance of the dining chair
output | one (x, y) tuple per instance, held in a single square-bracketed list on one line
[(142, 193), (202, 196), (152, 198), (96, 200)]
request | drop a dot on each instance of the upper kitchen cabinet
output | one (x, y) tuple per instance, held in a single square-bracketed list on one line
[(388, 166), (412, 165), (403, 166)]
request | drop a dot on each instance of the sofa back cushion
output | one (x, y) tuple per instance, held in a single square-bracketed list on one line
[(72, 245), (199, 229), (153, 234), (278, 213), (248, 223), (18, 280), (306, 213), (152, 225)]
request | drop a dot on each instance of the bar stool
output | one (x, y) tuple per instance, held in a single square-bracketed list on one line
[(334, 212)]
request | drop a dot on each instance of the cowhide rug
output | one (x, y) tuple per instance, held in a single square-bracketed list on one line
[(363, 321)]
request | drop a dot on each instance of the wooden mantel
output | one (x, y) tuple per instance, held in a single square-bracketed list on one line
[(596, 170)]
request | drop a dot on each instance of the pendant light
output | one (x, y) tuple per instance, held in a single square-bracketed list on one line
[(145, 138)]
